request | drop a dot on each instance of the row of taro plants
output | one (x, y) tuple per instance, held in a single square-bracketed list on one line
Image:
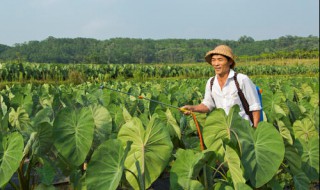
[(93, 72), (96, 138)]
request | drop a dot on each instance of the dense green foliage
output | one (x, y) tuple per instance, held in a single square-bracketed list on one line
[(69, 125), (127, 50), (78, 73), (54, 130)]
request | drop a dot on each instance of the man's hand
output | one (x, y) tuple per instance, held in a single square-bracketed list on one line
[(185, 110)]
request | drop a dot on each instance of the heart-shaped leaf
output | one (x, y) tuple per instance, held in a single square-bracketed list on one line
[(285, 132), (186, 168), (219, 130), (106, 166), (73, 134), (19, 119), (11, 148), (304, 129), (262, 152), (171, 123), (293, 159), (309, 152), (301, 181), (103, 122), (151, 148), (233, 161)]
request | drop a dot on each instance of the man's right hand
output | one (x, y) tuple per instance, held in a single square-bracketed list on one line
[(186, 109)]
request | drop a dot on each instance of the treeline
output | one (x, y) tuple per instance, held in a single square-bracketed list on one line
[(128, 50)]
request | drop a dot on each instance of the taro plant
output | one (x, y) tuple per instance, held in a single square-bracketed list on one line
[(244, 156), (140, 152), (51, 131), (150, 151), (11, 153)]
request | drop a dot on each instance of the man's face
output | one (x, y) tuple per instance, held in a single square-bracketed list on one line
[(220, 64)]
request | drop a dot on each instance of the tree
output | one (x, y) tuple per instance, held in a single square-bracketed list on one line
[(245, 39)]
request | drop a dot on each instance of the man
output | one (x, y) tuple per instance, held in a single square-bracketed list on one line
[(224, 93)]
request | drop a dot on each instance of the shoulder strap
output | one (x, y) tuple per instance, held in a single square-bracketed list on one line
[(242, 98), (244, 101), (211, 83)]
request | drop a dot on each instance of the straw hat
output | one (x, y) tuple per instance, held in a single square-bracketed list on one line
[(221, 50)]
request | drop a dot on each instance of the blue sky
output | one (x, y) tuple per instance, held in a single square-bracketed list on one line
[(25, 20)]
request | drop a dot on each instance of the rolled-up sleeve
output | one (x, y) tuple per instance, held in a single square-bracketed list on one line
[(251, 94), (208, 101)]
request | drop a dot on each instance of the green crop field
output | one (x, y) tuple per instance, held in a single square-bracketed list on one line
[(63, 122)]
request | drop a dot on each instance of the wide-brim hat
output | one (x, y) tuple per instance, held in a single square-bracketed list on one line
[(221, 50)]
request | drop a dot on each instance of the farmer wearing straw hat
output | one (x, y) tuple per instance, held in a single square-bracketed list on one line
[(222, 92)]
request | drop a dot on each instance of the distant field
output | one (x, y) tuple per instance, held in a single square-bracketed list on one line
[(279, 62), (15, 72)]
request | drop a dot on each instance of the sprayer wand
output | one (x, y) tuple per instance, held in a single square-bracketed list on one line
[(142, 97), (164, 104)]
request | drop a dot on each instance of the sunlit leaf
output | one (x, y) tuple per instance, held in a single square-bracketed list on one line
[(106, 166), (233, 161), (151, 148), (262, 152), (171, 123), (11, 148), (186, 168), (19, 119), (309, 152), (304, 129)]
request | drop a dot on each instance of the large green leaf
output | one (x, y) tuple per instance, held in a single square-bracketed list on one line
[(151, 148), (293, 159), (242, 186), (47, 172), (106, 166), (233, 161), (126, 115), (301, 181), (285, 132), (4, 122), (304, 129), (19, 119), (116, 113), (103, 96), (43, 115), (262, 152), (273, 105), (3, 106), (73, 134), (40, 140), (171, 123), (306, 90), (288, 92), (309, 152), (186, 168), (11, 148), (103, 122), (295, 112), (219, 128)]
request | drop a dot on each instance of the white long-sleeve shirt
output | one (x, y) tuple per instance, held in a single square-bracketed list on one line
[(228, 96)]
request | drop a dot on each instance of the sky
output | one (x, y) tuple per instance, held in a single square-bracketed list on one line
[(27, 20)]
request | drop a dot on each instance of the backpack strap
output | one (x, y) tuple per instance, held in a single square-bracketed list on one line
[(244, 101), (242, 98), (211, 83)]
